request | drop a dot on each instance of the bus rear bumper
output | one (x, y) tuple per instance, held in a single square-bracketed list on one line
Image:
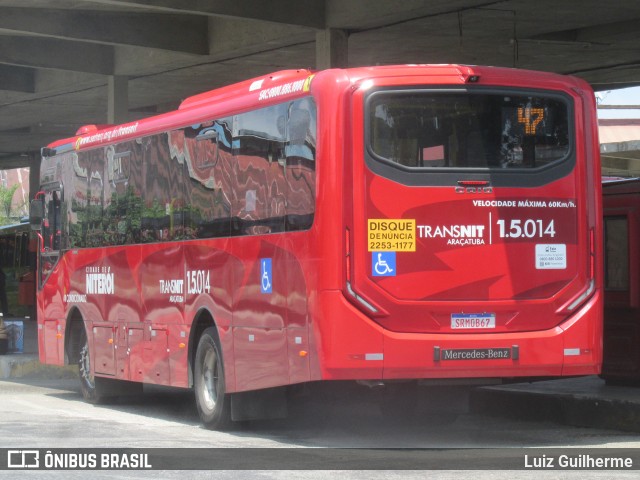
[(356, 348)]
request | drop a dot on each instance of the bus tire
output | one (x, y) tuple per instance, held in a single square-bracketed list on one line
[(214, 404), (94, 390)]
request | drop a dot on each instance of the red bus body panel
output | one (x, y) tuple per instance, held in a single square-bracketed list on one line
[(145, 297)]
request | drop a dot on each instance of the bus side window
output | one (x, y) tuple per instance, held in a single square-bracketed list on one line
[(300, 152), (51, 231), (299, 124), (58, 224)]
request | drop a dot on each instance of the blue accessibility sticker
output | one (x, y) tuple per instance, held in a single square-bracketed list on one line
[(266, 277), (383, 264)]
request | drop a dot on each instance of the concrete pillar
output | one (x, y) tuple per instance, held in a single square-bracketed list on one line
[(118, 99), (332, 49)]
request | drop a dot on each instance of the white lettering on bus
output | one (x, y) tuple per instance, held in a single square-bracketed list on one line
[(75, 298), (174, 288), (451, 231), (171, 286), (279, 90), (465, 241), (526, 203), (494, 203), (107, 135), (532, 203), (100, 283), (198, 281)]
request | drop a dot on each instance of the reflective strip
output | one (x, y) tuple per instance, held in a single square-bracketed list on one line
[(374, 356), (568, 352)]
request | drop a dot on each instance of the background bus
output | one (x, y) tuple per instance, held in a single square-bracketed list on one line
[(621, 202), (386, 225), (18, 263)]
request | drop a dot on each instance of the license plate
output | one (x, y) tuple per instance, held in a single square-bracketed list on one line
[(461, 321)]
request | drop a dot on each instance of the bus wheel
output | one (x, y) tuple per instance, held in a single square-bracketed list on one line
[(214, 404), (91, 387)]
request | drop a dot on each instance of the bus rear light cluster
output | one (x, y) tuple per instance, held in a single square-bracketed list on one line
[(361, 301), (368, 307), (591, 268), (592, 254), (347, 256), (473, 183), (587, 293), (473, 186)]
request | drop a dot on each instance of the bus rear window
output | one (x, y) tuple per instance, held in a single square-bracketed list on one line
[(467, 129)]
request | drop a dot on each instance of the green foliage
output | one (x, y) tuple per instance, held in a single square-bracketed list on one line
[(155, 210), (122, 218), (6, 197)]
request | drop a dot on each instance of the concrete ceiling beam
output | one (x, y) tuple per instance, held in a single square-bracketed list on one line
[(230, 37), (308, 13), (173, 32), (57, 54), (17, 79), (12, 160), (597, 34), (362, 15)]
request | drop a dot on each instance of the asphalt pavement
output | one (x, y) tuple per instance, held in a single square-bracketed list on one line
[(581, 401)]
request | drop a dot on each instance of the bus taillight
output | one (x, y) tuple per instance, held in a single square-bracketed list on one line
[(347, 256), (592, 254), (591, 268)]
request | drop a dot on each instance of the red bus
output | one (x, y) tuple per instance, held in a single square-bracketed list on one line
[(621, 356), (386, 225)]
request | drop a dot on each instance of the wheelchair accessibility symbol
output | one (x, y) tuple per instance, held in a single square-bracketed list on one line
[(383, 264), (265, 275)]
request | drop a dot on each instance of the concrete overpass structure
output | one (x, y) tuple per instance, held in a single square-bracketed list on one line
[(620, 147), (67, 63)]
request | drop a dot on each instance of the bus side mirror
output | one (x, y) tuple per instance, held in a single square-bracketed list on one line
[(36, 214)]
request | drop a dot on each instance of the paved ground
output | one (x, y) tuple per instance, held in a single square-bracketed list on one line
[(41, 407), (585, 401), (49, 414)]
